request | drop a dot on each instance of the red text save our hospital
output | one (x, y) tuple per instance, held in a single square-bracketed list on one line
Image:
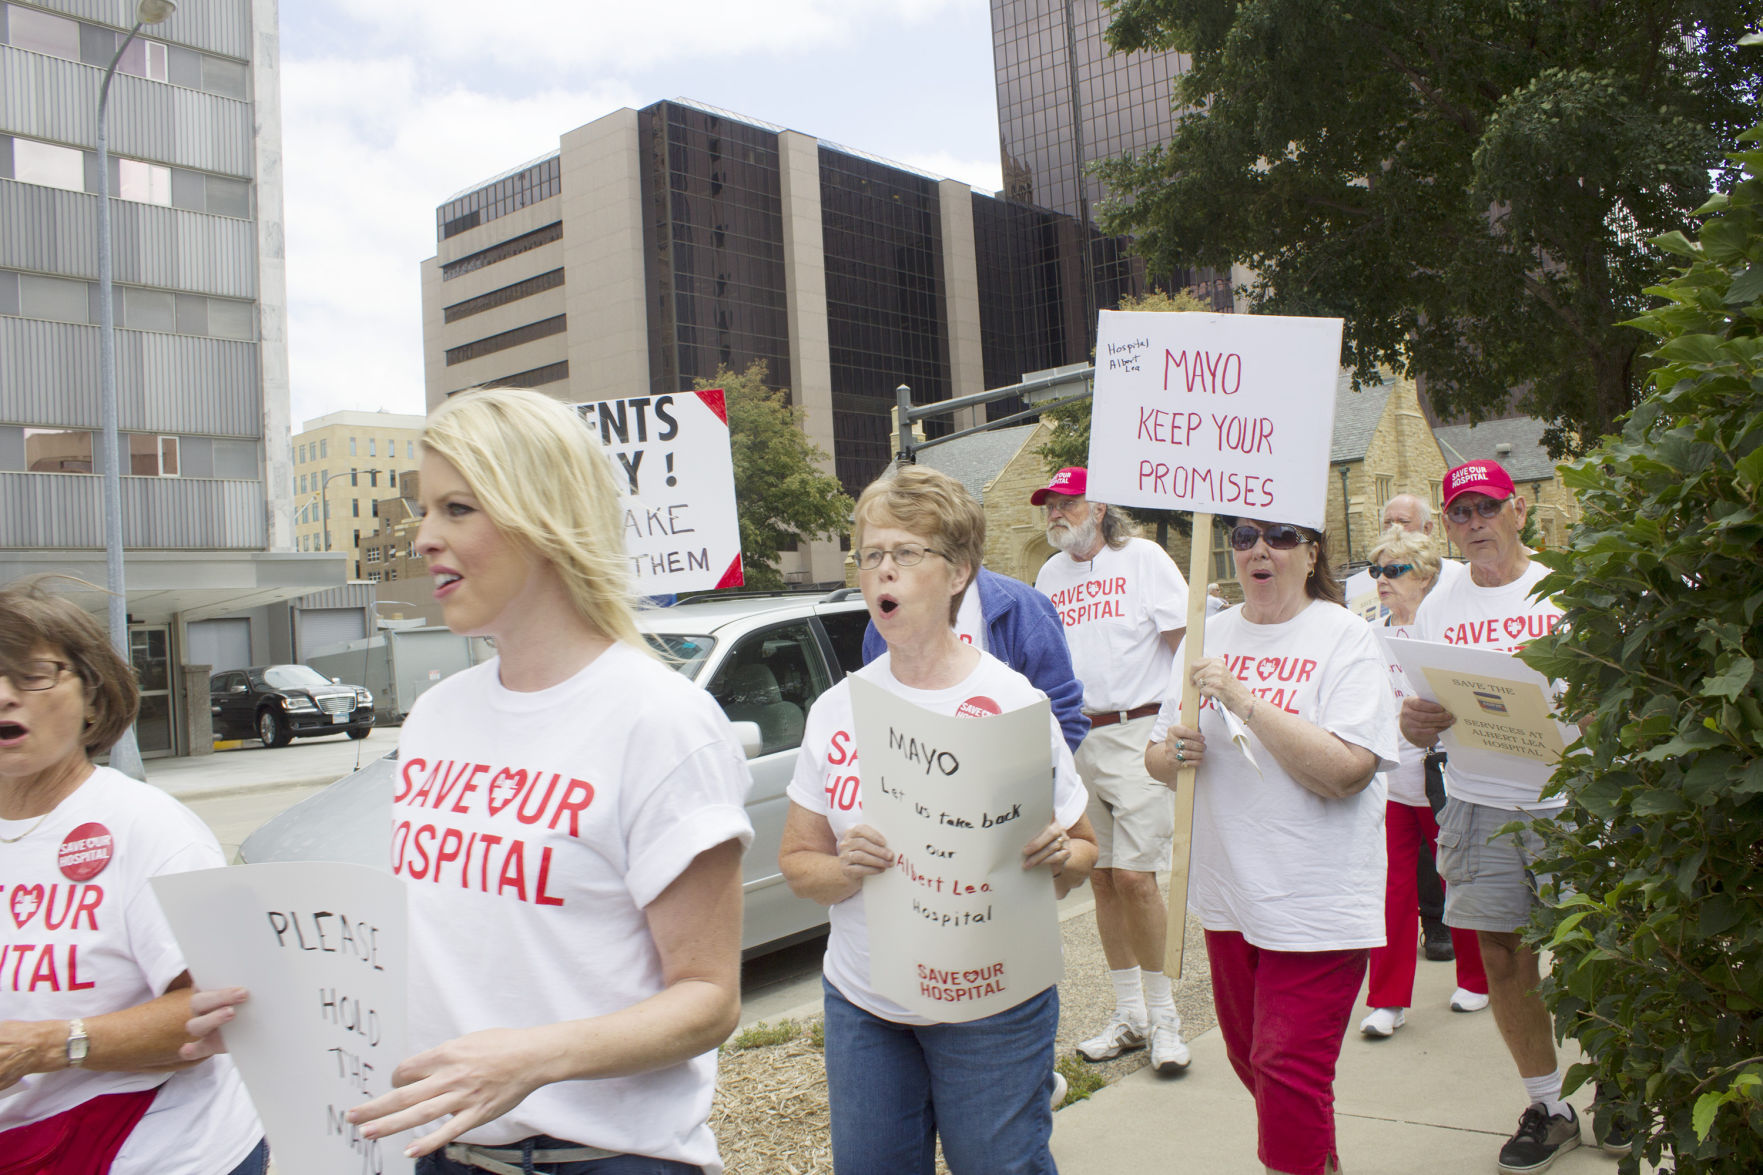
[(1093, 599), (38, 911), (524, 803), (1508, 634)]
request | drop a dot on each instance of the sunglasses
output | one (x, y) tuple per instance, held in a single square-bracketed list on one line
[(1487, 508), (1390, 569), (1281, 536)]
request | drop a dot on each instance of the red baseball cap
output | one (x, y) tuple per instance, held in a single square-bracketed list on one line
[(1072, 481), (1478, 477)]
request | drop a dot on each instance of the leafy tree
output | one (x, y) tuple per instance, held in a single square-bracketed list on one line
[(781, 495), (1070, 442), (1658, 945), (1468, 183)]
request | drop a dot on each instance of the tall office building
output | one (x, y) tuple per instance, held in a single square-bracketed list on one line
[(201, 353), (654, 245), (1065, 101), (344, 464)]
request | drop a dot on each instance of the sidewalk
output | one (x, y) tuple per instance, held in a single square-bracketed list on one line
[(252, 767), (1441, 1095)]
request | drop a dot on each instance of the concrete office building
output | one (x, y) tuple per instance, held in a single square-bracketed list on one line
[(344, 464), (202, 371), (654, 245)]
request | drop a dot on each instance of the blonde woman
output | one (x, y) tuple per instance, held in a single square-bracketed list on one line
[(575, 968)]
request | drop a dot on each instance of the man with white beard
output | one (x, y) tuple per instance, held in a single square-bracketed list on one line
[(1123, 605)]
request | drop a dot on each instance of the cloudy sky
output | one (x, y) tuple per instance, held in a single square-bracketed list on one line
[(391, 106)]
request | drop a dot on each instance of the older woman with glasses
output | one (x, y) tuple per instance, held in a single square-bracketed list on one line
[(93, 991), (895, 1079), (1406, 567), (1296, 723)]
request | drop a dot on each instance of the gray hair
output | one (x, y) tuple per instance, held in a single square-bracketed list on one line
[(1400, 545)]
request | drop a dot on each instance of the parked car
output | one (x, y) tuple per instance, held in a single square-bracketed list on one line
[(278, 703), (764, 658)]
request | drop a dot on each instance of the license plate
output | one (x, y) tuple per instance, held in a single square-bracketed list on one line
[(338, 719)]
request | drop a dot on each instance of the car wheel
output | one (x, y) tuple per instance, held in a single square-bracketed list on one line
[(271, 730), (360, 731)]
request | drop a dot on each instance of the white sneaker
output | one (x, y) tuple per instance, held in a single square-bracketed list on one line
[(1121, 1036), (1169, 1054), (1383, 1022), (1464, 1000), (1060, 1088)]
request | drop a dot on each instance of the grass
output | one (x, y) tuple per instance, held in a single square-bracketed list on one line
[(764, 1035), (1081, 1077)]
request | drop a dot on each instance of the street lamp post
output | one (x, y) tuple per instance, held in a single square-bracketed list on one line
[(125, 756)]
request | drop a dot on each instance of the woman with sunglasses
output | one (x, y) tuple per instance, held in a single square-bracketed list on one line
[(896, 1079), (1406, 567), (1296, 724)]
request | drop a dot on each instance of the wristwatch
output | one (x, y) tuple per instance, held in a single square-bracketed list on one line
[(78, 1043)]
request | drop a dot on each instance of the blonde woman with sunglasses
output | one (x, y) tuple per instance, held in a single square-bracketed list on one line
[(1296, 726)]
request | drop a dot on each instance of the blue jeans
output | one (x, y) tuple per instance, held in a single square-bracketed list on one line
[(985, 1086), (439, 1164), (255, 1162)]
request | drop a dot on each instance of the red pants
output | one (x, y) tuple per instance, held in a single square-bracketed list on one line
[(1283, 1014), (1392, 965)]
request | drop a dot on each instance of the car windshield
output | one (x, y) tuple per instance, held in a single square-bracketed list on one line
[(293, 677), (684, 653)]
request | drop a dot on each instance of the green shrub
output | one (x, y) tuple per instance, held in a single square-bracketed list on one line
[(1081, 1079), (1658, 933)]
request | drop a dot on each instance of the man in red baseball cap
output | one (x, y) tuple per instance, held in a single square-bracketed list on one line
[(1493, 607), (1123, 605)]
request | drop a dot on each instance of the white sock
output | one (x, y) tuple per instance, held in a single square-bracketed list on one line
[(1547, 1090), (1129, 996), (1159, 997)]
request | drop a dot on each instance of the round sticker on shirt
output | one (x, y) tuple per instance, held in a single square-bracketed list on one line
[(978, 706), (85, 852)]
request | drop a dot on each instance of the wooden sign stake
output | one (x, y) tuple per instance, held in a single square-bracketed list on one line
[(1199, 558)]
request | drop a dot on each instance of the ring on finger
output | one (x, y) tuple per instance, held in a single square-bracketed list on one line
[(1179, 757)]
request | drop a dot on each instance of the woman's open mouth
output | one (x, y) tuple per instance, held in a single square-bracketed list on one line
[(11, 732), (886, 605)]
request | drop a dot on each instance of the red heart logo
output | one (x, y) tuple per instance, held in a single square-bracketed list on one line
[(505, 788), (26, 901), (1267, 667), (1514, 626)]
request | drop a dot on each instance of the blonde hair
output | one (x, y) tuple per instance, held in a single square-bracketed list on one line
[(541, 476), (1400, 545), (930, 503)]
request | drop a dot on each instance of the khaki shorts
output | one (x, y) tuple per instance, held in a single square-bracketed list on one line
[(1490, 880), (1133, 814)]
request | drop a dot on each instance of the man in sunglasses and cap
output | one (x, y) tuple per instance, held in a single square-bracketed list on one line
[(1488, 878), (1123, 605)]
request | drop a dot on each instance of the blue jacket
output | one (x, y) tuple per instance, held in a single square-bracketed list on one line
[(1023, 631)]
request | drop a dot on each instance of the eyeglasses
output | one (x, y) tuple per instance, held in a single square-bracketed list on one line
[(1068, 505), (905, 555), (1461, 512), (1390, 569), (36, 675), (1281, 536)]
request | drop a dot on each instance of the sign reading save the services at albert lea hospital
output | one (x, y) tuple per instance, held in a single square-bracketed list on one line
[(672, 457), (1215, 413), (957, 928)]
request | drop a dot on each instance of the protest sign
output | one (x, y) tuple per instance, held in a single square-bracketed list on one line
[(1506, 719), (672, 453), (1215, 413), (957, 929), (321, 948), (1362, 598)]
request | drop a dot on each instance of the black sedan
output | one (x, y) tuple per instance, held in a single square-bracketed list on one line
[(277, 703)]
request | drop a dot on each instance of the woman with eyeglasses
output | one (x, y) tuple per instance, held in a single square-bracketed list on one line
[(1296, 725), (895, 1079), (1406, 567), (93, 991)]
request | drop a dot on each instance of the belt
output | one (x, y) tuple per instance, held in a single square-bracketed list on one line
[(517, 1160), (1110, 717)]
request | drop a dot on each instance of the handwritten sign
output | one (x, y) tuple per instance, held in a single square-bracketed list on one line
[(680, 527), (957, 929), (1215, 413), (1506, 721), (321, 946)]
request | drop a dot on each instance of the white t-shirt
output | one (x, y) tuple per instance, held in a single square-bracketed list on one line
[(1407, 780), (826, 783), (1503, 619), (531, 830), (1115, 609), (86, 936), (1285, 868)]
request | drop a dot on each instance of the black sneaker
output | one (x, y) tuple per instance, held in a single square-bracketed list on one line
[(1439, 948), (1612, 1130), (1540, 1137)]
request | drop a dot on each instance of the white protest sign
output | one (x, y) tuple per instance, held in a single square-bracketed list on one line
[(321, 947), (1215, 413), (680, 527), (957, 929)]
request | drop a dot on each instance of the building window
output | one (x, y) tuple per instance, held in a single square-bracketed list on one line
[(503, 251), (491, 344), (41, 33), (302, 454), (324, 445), (56, 450), (48, 164), (373, 554), (1223, 566), (503, 296), (1438, 496), (372, 448), (410, 450), (145, 59), (373, 576), (144, 183), (1386, 489), (351, 449), (151, 456)]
